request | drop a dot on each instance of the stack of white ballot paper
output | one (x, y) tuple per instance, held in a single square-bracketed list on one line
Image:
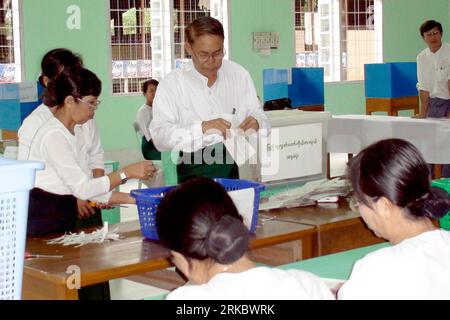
[(308, 194)]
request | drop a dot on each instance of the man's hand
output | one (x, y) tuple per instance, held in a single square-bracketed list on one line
[(249, 124), (84, 209), (216, 126)]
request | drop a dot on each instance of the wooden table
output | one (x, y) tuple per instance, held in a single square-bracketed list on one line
[(47, 278), (338, 228), (316, 107), (392, 105)]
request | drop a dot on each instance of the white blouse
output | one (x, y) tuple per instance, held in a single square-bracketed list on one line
[(433, 72), (184, 100), (416, 268), (89, 148), (64, 173), (260, 283), (143, 119)]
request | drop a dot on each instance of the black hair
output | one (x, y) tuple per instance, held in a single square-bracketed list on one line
[(75, 82), (199, 220), (147, 83), (204, 25), (395, 169), (53, 63), (429, 25)]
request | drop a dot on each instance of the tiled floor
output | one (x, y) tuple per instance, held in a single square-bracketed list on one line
[(122, 289)]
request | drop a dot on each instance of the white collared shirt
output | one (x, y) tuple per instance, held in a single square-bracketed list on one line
[(89, 148), (184, 100), (143, 119), (433, 72), (416, 268), (260, 283), (63, 174)]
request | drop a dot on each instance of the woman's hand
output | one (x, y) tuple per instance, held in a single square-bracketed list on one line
[(85, 210), (140, 170)]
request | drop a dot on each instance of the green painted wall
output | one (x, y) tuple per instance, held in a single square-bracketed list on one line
[(44, 28), (248, 16), (402, 42)]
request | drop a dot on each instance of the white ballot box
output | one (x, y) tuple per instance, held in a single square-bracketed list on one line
[(296, 149)]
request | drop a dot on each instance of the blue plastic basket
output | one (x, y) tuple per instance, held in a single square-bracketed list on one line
[(147, 201)]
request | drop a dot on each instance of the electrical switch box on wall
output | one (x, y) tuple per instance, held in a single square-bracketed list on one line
[(265, 40)]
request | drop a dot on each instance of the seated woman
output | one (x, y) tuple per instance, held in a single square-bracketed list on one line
[(391, 184), (201, 226), (53, 201)]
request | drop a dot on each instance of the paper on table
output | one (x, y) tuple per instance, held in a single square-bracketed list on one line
[(244, 200)]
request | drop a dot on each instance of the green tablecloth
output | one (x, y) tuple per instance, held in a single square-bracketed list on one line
[(335, 266)]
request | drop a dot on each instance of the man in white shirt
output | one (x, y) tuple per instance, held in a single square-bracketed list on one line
[(196, 105), (433, 74), (144, 118)]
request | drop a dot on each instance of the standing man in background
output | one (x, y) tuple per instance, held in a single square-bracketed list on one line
[(144, 118), (433, 74), (196, 105)]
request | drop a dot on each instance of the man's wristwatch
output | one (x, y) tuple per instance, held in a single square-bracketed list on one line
[(123, 176)]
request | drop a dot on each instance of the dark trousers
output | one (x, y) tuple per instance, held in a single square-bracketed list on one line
[(149, 150), (212, 162), (52, 214), (439, 108)]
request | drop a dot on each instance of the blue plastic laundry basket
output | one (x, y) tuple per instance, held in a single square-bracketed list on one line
[(147, 201)]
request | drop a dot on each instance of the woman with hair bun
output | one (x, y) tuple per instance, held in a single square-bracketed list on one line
[(392, 191), (201, 226)]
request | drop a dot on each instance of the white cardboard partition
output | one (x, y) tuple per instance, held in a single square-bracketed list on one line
[(352, 133)]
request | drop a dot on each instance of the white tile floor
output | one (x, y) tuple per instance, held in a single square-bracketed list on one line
[(122, 289)]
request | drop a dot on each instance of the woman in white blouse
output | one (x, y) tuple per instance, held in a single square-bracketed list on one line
[(201, 226), (88, 138), (391, 184), (53, 201)]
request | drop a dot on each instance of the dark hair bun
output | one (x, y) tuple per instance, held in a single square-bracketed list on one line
[(434, 204), (227, 240)]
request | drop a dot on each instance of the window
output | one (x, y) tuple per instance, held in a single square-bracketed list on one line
[(338, 35), (10, 58), (147, 37)]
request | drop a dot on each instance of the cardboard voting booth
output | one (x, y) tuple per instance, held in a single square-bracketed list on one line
[(275, 84), (390, 80), (307, 87), (303, 86), (17, 101), (391, 87)]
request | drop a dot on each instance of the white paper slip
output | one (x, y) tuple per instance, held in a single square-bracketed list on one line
[(243, 200), (238, 147)]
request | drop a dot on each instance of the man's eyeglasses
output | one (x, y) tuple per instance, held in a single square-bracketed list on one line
[(433, 33), (92, 106), (203, 57)]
